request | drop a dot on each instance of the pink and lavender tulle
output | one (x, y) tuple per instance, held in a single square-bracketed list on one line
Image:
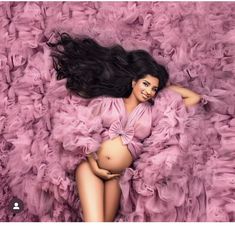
[(185, 167)]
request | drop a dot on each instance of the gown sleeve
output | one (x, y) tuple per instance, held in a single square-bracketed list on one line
[(78, 129)]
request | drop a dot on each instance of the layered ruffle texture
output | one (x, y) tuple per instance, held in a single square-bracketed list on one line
[(186, 170)]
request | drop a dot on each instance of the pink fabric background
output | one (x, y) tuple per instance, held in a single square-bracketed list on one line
[(195, 40)]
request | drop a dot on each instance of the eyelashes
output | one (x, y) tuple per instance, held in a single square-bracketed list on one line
[(146, 85)]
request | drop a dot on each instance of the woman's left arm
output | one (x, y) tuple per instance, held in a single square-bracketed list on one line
[(190, 98)]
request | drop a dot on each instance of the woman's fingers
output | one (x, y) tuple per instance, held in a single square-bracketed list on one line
[(107, 175), (104, 174), (113, 176), (105, 171)]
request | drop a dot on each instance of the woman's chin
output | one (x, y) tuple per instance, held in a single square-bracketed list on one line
[(142, 100)]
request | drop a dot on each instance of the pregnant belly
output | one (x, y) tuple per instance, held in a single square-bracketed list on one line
[(114, 156)]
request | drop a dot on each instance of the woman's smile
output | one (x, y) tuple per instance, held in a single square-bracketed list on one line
[(145, 88), (145, 96)]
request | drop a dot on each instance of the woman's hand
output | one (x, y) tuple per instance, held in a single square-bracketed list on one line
[(102, 173), (105, 174)]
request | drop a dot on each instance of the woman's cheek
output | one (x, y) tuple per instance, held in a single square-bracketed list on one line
[(142, 87)]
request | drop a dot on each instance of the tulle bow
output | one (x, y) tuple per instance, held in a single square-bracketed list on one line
[(116, 129)]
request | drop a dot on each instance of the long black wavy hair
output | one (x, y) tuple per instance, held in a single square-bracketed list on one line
[(93, 70)]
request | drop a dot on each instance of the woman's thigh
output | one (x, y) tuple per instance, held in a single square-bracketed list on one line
[(112, 199), (91, 193)]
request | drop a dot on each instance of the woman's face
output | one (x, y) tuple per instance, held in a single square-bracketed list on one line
[(145, 88)]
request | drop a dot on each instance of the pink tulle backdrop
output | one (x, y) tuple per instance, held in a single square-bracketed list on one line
[(195, 40)]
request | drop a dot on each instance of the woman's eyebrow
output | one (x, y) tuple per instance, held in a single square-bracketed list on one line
[(150, 83)]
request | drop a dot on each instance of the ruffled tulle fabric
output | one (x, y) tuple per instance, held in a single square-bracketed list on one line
[(158, 184), (79, 128), (186, 169)]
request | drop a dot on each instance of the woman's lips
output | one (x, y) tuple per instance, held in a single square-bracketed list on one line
[(145, 97)]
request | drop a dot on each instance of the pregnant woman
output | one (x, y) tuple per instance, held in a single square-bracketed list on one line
[(122, 87)]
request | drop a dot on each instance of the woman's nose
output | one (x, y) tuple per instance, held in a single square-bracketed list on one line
[(148, 91)]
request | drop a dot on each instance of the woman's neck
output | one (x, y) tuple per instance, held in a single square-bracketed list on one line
[(131, 102)]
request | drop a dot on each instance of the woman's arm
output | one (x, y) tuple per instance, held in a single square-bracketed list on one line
[(92, 162), (190, 98)]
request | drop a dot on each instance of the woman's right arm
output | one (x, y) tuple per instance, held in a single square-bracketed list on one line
[(92, 162), (103, 173), (190, 98)]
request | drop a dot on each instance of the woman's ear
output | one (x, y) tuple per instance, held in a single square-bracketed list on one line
[(133, 83)]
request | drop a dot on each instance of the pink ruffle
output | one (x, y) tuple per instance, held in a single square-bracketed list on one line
[(77, 130), (159, 183)]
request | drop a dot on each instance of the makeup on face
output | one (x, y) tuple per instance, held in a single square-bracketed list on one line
[(146, 88)]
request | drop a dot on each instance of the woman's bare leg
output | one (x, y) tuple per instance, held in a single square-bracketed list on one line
[(112, 199), (91, 193)]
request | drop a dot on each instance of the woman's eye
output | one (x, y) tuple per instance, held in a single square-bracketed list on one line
[(145, 84)]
